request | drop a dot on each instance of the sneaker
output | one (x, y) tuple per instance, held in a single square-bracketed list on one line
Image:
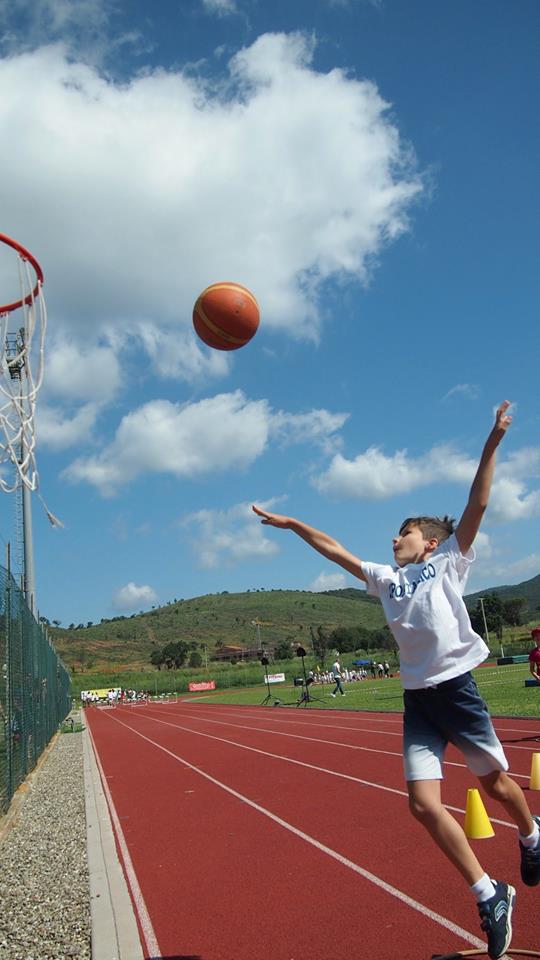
[(333, 695), (496, 917), (530, 862)]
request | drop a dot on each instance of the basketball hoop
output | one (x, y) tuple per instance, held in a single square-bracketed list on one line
[(21, 347)]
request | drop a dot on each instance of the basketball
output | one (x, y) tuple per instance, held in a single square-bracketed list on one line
[(226, 316)]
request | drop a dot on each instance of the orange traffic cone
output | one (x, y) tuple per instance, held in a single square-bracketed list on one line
[(477, 822), (535, 772)]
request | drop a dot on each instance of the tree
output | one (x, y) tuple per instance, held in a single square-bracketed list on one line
[(320, 642), (174, 654), (283, 650), (346, 639), (493, 612), (156, 658), (514, 611), (195, 659)]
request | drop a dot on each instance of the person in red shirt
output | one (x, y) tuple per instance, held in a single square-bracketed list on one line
[(534, 656)]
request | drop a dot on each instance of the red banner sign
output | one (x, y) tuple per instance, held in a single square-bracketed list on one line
[(203, 685)]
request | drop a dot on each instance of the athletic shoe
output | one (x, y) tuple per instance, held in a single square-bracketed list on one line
[(496, 917), (333, 695), (530, 861)]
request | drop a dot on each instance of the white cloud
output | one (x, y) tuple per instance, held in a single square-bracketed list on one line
[(85, 27), (483, 546), (219, 433), (328, 581), (374, 475), (83, 372), (133, 597), (75, 373), (221, 7), (469, 390), (228, 537), (175, 354), (318, 427), (309, 183), (216, 434), (59, 431)]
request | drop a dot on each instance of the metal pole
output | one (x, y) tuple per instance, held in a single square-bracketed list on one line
[(29, 574), (481, 600), (9, 679)]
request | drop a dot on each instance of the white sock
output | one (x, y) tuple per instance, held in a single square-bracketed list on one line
[(483, 889), (533, 837)]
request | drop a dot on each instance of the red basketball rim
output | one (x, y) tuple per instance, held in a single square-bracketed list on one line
[(26, 255)]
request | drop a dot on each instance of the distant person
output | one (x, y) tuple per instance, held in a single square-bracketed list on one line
[(386, 667), (534, 656), (422, 598), (336, 671)]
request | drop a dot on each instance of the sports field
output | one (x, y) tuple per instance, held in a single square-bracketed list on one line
[(248, 831)]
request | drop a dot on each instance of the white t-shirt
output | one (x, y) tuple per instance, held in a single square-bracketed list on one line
[(424, 607), (336, 669)]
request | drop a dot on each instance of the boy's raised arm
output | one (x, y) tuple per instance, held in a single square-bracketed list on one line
[(467, 527), (320, 541)]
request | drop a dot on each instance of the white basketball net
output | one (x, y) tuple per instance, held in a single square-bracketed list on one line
[(19, 383)]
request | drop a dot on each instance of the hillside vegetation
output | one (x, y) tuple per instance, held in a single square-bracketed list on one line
[(229, 619), (214, 620)]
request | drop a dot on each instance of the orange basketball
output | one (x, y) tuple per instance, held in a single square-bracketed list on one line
[(226, 316)]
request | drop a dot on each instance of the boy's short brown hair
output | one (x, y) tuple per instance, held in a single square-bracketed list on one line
[(438, 528)]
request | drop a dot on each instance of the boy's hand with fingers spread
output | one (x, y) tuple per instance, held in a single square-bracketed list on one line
[(502, 421), (272, 519), (320, 541)]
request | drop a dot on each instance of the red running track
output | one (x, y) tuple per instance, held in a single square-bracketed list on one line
[(285, 834)]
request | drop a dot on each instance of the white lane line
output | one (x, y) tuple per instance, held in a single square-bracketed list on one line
[(285, 719), (303, 763), (366, 874), (152, 945), (333, 743)]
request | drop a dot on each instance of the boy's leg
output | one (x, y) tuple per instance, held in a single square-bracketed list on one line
[(495, 900), (501, 787), (426, 806)]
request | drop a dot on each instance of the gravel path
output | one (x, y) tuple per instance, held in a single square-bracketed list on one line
[(44, 888)]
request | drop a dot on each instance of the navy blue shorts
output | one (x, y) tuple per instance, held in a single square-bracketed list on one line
[(451, 712)]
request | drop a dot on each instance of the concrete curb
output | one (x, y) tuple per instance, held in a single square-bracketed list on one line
[(114, 929)]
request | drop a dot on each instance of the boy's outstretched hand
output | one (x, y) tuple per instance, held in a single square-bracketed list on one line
[(272, 519), (502, 421)]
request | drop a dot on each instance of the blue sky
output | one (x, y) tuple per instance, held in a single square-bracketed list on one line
[(369, 170)]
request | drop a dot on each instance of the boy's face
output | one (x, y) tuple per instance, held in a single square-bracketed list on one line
[(410, 546)]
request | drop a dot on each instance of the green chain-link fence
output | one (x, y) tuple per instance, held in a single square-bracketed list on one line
[(35, 694)]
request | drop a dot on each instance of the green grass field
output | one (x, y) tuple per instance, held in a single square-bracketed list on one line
[(503, 689)]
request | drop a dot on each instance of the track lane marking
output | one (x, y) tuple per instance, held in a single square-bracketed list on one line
[(344, 861), (333, 743), (145, 922), (303, 763), (388, 733)]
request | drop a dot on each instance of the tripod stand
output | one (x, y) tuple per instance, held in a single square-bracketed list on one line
[(305, 696), (269, 696)]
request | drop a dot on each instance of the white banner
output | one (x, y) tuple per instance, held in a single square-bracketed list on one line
[(275, 677)]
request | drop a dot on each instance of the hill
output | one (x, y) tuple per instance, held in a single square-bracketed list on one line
[(528, 589), (211, 621), (229, 619)]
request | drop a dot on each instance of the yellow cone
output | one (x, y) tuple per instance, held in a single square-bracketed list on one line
[(535, 772), (477, 822)]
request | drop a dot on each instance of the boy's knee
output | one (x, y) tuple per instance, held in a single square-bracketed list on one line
[(497, 785), (425, 811)]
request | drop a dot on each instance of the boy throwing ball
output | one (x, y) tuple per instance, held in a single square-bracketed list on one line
[(422, 598)]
